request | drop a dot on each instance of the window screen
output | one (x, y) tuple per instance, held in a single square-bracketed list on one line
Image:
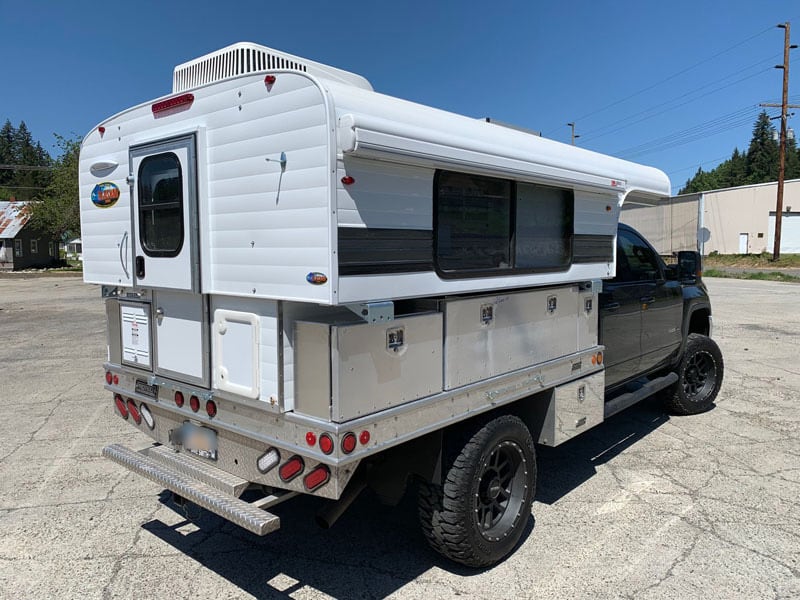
[(161, 205), (473, 222), (543, 232)]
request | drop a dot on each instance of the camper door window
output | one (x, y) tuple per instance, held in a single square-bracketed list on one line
[(483, 225), (161, 205)]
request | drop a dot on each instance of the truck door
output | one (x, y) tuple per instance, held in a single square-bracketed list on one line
[(164, 181)]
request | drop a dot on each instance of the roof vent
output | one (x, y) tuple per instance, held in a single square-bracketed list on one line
[(246, 57)]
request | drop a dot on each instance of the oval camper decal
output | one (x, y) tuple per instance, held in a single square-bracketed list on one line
[(316, 278), (105, 194)]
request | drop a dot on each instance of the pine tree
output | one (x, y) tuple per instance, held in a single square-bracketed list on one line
[(762, 155)]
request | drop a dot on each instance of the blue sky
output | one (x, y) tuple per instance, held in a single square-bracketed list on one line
[(674, 84)]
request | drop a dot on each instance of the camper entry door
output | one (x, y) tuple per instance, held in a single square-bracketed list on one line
[(165, 214)]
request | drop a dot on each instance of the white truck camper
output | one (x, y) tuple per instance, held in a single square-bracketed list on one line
[(312, 288)]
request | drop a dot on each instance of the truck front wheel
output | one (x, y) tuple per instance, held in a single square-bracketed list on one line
[(479, 513), (699, 377)]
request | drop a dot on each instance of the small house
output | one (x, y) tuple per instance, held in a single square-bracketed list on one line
[(21, 246)]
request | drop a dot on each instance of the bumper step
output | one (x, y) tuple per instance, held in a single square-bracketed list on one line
[(207, 496)]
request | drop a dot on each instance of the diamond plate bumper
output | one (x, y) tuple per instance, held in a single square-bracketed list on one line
[(205, 493)]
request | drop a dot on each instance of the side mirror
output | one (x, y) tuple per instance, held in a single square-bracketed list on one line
[(689, 265)]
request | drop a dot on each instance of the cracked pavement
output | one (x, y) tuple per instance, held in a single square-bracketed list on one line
[(644, 506)]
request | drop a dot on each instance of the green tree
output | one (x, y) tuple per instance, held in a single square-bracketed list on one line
[(58, 212), (18, 149), (762, 155)]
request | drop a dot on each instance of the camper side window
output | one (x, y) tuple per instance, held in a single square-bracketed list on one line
[(473, 222), (483, 224), (161, 205)]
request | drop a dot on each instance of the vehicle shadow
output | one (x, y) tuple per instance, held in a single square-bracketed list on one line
[(373, 550), (566, 467)]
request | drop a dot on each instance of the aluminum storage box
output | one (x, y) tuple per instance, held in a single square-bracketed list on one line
[(486, 336), (573, 408), (344, 371)]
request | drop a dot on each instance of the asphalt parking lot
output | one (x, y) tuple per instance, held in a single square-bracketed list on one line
[(643, 506)]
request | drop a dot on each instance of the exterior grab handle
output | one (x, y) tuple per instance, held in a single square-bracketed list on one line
[(123, 247)]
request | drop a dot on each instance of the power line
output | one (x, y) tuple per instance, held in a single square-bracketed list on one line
[(636, 122), (689, 93), (691, 134), (669, 78)]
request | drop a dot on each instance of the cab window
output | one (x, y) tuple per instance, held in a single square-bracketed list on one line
[(636, 261)]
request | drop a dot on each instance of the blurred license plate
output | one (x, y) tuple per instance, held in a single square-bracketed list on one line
[(201, 441)]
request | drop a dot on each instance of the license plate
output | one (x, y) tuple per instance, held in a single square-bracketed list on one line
[(145, 389), (201, 441)]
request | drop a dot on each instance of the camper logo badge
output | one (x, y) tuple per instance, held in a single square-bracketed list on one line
[(105, 195)]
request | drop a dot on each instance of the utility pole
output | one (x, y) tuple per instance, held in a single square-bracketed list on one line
[(574, 137), (784, 106)]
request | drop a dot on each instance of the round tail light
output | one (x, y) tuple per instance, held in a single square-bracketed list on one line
[(349, 442), (108, 377), (194, 403), (326, 443), (179, 399)]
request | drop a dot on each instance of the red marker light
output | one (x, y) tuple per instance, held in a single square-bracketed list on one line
[(101, 130), (211, 409), (194, 403), (269, 79), (108, 377), (349, 442), (347, 180), (116, 379), (326, 443), (364, 438), (184, 100), (179, 399), (311, 439)]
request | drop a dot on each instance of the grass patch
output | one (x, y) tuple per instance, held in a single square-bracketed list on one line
[(762, 275), (757, 261)]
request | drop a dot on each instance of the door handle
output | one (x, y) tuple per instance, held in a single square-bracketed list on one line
[(612, 306), (647, 299), (123, 250)]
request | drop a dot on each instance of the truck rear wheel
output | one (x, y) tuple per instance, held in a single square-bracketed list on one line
[(699, 377), (479, 513)]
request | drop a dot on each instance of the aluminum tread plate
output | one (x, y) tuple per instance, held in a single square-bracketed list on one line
[(188, 465), (237, 511)]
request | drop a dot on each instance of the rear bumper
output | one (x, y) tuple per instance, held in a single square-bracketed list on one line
[(206, 486)]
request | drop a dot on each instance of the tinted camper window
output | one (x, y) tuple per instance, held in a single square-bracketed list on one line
[(473, 222), (484, 224), (161, 205)]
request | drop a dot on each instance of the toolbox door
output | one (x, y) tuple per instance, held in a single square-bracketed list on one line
[(164, 182)]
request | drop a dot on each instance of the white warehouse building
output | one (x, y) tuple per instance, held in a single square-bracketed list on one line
[(738, 220)]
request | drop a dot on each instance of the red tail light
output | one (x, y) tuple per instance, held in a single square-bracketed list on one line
[(349, 442), (108, 377), (317, 478), (311, 438), (211, 409), (194, 403), (364, 438), (134, 412), (179, 399), (116, 379), (326, 443), (123, 410), (291, 468)]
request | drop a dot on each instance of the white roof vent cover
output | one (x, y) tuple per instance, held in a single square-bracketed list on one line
[(246, 57)]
